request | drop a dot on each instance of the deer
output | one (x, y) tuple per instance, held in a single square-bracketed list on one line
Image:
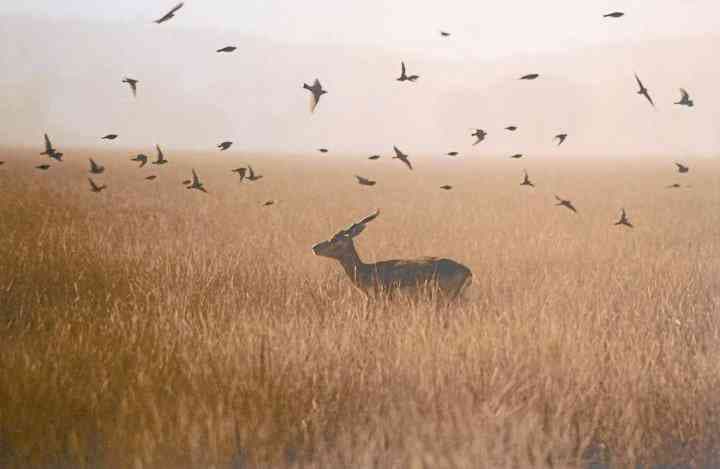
[(448, 277)]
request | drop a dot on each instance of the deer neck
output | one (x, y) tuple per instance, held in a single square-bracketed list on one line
[(353, 265)]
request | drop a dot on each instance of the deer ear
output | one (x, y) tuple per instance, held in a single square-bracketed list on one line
[(355, 229)]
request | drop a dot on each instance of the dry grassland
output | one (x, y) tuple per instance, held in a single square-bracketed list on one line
[(152, 326)]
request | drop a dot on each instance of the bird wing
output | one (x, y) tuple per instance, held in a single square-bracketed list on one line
[(252, 173), (558, 198), (161, 157), (647, 95), (407, 162), (640, 83), (92, 184), (196, 179), (177, 7), (48, 145), (685, 94), (398, 153), (93, 165)]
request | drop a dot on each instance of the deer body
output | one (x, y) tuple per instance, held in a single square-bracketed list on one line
[(448, 277)]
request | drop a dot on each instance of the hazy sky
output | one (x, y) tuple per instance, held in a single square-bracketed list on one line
[(484, 29)]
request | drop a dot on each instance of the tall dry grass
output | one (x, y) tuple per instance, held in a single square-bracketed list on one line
[(151, 326)]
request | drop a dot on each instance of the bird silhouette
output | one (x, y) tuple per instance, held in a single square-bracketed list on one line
[(511, 128), (452, 153), (268, 203), (517, 156), (445, 34), (614, 14), (624, 220), (446, 187), (170, 15), (110, 137), (160, 156), (96, 168), (252, 176), (480, 135), (240, 172), (565, 203), (50, 151), (151, 177), (560, 138), (225, 145), (404, 76), (374, 157), (643, 91), (681, 168), (196, 183), (673, 186), (323, 150), (530, 76), (685, 100), (364, 181), (526, 180), (402, 157), (94, 187), (227, 49), (43, 167), (132, 83), (142, 159), (317, 91)]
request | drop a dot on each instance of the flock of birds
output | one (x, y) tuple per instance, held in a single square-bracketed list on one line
[(316, 92)]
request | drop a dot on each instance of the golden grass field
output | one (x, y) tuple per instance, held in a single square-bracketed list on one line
[(152, 326)]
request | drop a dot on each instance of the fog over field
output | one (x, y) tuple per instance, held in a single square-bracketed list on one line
[(63, 77)]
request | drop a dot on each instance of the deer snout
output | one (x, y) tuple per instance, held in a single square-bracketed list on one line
[(319, 248)]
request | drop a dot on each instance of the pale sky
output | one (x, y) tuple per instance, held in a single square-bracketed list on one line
[(481, 29)]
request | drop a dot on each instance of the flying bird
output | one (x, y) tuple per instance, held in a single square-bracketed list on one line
[(480, 134), (225, 145), (526, 180), (614, 14), (404, 76), (110, 137), (374, 157), (517, 156), (49, 150), (142, 159), (170, 15), (530, 76), (317, 91), (365, 182), (685, 100), (624, 220), (402, 157), (43, 167), (560, 138), (227, 49), (151, 177), (643, 91), (196, 184), (452, 153), (682, 168), (323, 150), (160, 156), (446, 187), (511, 128), (94, 187), (445, 34), (269, 203), (241, 172), (674, 186), (96, 168), (565, 203), (252, 176), (133, 85)]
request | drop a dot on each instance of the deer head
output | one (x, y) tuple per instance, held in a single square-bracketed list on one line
[(341, 243)]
